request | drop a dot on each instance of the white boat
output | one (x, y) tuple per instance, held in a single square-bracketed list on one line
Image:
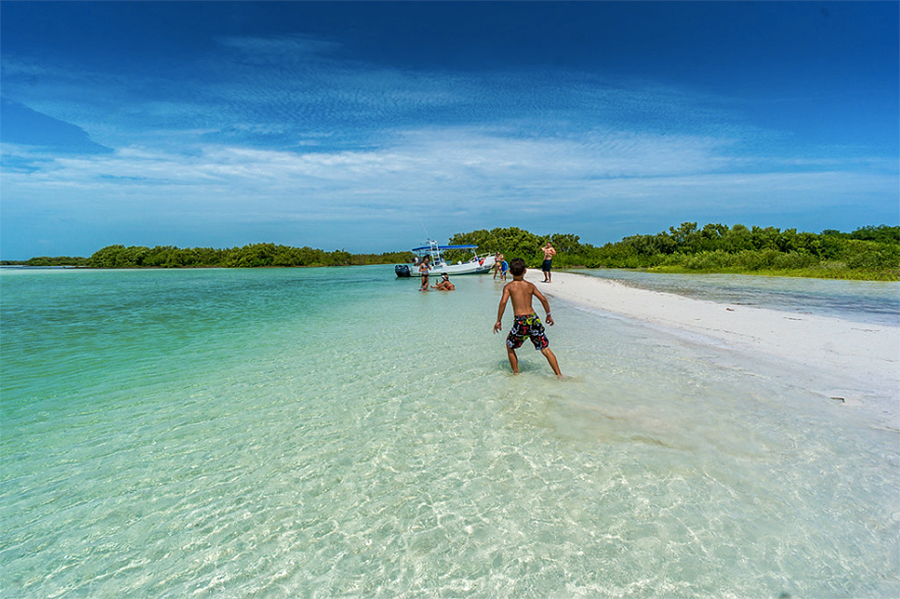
[(477, 265)]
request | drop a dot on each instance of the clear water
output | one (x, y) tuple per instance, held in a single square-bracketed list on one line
[(876, 302), (335, 433)]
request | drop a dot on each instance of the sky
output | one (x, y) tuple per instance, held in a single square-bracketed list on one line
[(369, 126)]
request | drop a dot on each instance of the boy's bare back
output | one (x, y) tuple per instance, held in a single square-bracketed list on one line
[(521, 293)]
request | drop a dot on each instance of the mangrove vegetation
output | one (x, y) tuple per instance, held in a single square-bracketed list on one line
[(867, 253)]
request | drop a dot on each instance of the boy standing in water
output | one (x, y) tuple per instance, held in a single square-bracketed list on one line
[(527, 323)]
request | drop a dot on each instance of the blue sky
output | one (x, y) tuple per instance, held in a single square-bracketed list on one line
[(362, 125)]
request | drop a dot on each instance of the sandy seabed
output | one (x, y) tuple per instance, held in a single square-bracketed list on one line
[(856, 363)]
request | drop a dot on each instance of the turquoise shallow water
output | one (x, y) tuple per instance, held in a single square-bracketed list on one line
[(334, 433)]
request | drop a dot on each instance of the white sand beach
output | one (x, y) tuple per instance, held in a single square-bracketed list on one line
[(857, 362)]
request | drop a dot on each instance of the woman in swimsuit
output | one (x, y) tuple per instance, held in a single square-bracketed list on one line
[(424, 267)]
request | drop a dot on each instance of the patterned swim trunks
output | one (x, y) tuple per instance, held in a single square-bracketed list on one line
[(528, 325)]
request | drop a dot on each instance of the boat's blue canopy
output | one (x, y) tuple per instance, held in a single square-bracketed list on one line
[(445, 247)]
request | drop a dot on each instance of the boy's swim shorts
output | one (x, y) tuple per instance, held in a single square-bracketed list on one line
[(528, 325)]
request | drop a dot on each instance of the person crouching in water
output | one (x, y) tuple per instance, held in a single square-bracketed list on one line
[(526, 322), (444, 284)]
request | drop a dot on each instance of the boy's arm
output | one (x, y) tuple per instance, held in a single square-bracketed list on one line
[(544, 302), (503, 299)]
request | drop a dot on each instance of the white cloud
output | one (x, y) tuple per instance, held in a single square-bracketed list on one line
[(475, 170)]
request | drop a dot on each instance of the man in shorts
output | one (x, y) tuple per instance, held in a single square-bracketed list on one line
[(549, 252), (527, 323)]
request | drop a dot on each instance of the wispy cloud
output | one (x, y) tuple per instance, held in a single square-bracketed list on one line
[(303, 86), (470, 168)]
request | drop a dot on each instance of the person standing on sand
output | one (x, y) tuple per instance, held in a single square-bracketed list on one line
[(526, 322), (549, 252)]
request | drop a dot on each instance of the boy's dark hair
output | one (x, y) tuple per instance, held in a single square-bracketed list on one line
[(517, 267)]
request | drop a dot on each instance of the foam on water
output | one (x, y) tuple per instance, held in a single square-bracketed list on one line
[(333, 432)]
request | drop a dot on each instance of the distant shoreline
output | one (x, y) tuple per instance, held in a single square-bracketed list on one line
[(80, 267), (848, 275), (845, 275), (868, 253)]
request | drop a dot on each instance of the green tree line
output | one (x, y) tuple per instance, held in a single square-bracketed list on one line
[(248, 256), (47, 261), (866, 253), (871, 252)]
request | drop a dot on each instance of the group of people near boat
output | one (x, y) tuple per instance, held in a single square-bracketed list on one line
[(526, 322), (501, 266), (425, 268)]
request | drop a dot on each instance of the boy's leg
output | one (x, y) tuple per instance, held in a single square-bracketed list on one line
[(513, 359), (551, 357)]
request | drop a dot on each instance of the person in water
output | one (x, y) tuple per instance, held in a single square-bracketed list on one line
[(444, 284), (498, 259), (424, 268), (504, 268), (526, 322)]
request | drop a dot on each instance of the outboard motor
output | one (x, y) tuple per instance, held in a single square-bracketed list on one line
[(402, 270)]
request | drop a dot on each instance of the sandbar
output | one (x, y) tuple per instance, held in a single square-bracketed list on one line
[(851, 362)]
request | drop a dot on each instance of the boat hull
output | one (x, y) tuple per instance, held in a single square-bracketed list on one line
[(473, 267), (476, 266)]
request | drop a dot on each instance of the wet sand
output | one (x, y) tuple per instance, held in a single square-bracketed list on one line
[(857, 363)]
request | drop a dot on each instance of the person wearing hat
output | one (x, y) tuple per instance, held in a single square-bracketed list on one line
[(445, 284)]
